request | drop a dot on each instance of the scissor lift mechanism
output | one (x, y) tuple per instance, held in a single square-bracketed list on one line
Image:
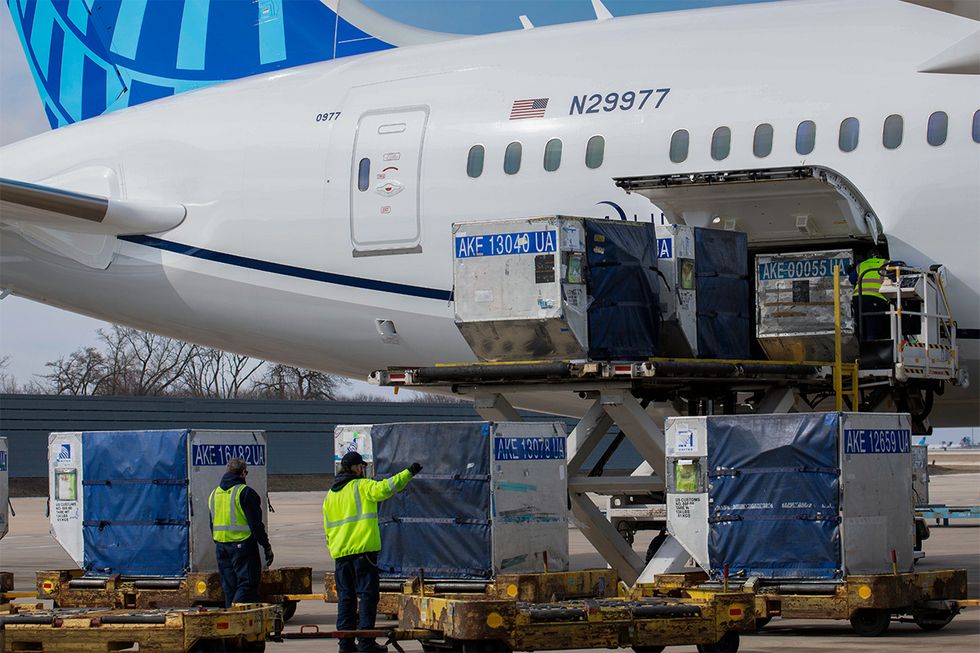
[(616, 390)]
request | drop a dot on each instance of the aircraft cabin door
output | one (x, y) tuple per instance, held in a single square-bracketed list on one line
[(386, 175)]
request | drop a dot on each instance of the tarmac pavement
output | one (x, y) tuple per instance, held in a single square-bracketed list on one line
[(297, 538)]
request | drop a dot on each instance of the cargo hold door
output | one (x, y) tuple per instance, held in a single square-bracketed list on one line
[(385, 181)]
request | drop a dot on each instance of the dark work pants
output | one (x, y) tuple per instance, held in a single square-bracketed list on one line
[(357, 581), (874, 322), (240, 569)]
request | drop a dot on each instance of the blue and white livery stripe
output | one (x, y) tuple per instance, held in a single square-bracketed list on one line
[(89, 57)]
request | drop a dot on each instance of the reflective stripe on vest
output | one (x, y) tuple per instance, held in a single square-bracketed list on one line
[(359, 515), (228, 524), (869, 276)]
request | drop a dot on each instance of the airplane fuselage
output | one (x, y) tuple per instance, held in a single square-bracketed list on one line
[(292, 252)]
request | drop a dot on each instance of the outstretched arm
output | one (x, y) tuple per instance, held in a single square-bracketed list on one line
[(381, 490)]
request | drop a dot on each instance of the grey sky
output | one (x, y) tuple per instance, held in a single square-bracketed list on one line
[(30, 333)]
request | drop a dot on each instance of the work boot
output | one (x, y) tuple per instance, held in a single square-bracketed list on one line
[(347, 645), (371, 646)]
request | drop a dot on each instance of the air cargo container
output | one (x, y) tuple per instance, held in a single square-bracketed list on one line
[(135, 503), (704, 296), (492, 497), (4, 489), (795, 305), (557, 288), (812, 496)]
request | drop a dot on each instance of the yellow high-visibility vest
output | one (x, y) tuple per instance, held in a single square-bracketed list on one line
[(228, 521), (870, 282), (350, 515)]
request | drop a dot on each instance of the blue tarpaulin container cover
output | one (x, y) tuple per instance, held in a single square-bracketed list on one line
[(624, 316), (135, 496), (774, 496), (722, 282), (440, 523)]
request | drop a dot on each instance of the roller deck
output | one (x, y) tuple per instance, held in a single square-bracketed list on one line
[(70, 589), (870, 602), (177, 630)]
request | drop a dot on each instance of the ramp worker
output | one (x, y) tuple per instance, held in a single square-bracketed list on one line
[(238, 532), (870, 304), (350, 521)]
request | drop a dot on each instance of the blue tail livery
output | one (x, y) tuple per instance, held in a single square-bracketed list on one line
[(90, 57)]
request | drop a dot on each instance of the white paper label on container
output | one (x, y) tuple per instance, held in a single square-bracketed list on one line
[(483, 296)]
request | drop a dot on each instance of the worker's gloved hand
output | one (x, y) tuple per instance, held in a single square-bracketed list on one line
[(415, 468), (269, 557)]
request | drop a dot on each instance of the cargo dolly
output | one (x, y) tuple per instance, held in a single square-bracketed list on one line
[(443, 618), (644, 624), (525, 587), (284, 586), (870, 602), (944, 513), (243, 627)]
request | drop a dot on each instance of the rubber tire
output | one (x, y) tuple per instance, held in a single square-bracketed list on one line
[(727, 644), (870, 622), (933, 620), (648, 649), (289, 610), (762, 622)]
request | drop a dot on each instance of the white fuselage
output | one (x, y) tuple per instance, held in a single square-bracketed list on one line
[(266, 264)]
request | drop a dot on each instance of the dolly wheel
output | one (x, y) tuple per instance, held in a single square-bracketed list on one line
[(288, 610), (870, 622), (762, 622), (648, 649), (932, 619), (727, 644)]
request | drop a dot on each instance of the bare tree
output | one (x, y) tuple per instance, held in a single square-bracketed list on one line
[(80, 373), (8, 384), (215, 374), (143, 364), (285, 382)]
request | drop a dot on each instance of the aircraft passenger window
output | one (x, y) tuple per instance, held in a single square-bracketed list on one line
[(474, 161), (891, 134), (552, 155), (806, 136), (363, 174), (847, 139), (721, 143), (762, 141), (679, 143), (936, 129), (512, 158), (594, 152), (976, 126)]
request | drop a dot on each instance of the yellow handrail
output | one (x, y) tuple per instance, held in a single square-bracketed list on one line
[(838, 378)]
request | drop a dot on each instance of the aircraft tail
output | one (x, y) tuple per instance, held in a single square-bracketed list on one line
[(90, 57)]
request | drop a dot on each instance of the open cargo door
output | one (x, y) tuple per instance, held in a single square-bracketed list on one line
[(806, 205)]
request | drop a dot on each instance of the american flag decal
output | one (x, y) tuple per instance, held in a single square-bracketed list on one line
[(529, 108)]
